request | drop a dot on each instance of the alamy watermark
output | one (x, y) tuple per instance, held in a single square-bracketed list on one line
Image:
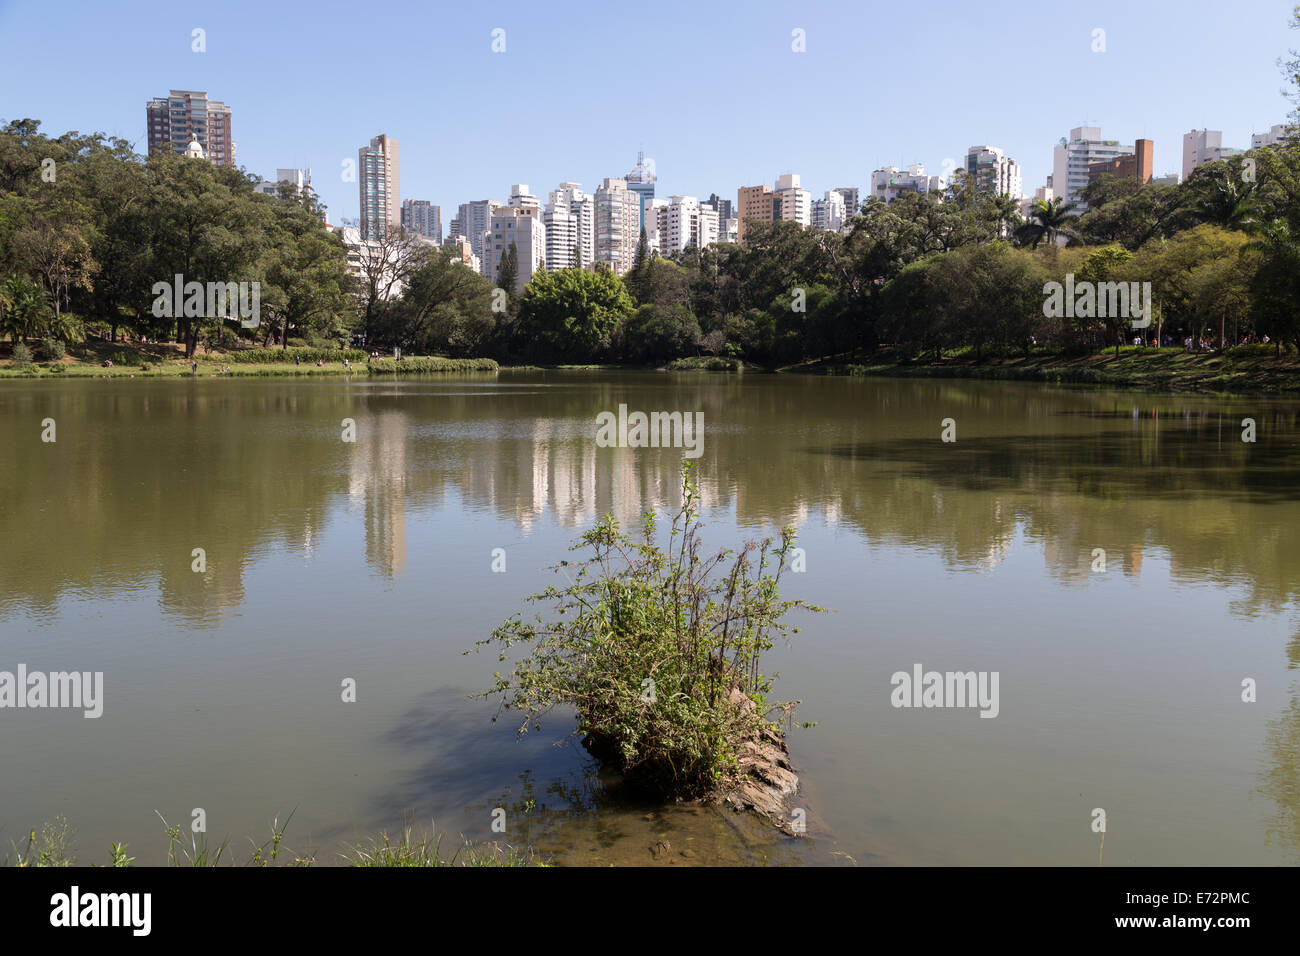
[(656, 430), (56, 689), (946, 689), (211, 300), (1099, 300)]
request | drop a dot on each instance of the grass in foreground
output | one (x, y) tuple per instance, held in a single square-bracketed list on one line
[(52, 846)]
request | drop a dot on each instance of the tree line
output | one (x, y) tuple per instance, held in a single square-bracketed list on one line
[(87, 229)]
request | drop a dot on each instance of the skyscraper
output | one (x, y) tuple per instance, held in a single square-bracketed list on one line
[(618, 224), (422, 218), (188, 116), (472, 221), (570, 220), (379, 180), (641, 180)]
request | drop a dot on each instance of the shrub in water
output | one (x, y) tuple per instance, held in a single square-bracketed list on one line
[(657, 651)]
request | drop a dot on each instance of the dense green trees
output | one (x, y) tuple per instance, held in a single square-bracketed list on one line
[(87, 229)]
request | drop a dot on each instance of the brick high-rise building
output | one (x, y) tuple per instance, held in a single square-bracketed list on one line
[(1138, 165), (188, 116), (756, 204)]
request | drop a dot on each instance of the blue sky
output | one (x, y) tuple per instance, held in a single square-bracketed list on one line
[(712, 91)]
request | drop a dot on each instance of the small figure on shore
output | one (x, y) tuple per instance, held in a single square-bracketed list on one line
[(194, 368), (297, 360)]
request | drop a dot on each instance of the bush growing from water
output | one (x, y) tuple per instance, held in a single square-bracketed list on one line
[(652, 647)]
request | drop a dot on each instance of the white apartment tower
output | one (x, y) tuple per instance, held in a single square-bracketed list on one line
[(891, 182), (796, 202), (522, 226), (684, 221), (1071, 157), (1204, 146), (830, 212), (1275, 135), (994, 172), (578, 248)]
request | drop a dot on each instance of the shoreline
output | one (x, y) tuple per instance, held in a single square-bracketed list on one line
[(1244, 370)]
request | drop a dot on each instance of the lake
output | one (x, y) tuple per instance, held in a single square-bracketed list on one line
[(1122, 561)]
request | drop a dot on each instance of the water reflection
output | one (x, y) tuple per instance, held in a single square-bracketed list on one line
[(143, 473)]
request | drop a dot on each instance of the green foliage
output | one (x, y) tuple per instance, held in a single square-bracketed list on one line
[(571, 313), (419, 366), (312, 355), (22, 355), (656, 332), (52, 847), (52, 350), (656, 648)]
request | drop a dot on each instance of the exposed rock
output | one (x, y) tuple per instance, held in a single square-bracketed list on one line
[(766, 779)]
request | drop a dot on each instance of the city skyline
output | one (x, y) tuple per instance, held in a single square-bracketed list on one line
[(897, 103)]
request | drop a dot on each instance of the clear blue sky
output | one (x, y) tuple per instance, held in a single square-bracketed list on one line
[(711, 90)]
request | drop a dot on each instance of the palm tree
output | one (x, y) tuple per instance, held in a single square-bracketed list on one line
[(1047, 220), (1230, 202)]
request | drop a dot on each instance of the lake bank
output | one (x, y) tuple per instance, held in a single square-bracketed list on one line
[(1248, 369)]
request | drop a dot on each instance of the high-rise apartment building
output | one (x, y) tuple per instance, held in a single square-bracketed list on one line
[(829, 212), (521, 197), (422, 218), (1072, 157), (473, 220), (786, 201), (1275, 135), (796, 202), (618, 224), (570, 198), (724, 207), (993, 172), (851, 202), (379, 180), (562, 248), (641, 181), (1204, 146), (891, 182), (188, 116), (683, 222), (522, 227), (755, 204)]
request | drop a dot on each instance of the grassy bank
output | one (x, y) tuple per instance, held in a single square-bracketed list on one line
[(1250, 369), (95, 359)]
